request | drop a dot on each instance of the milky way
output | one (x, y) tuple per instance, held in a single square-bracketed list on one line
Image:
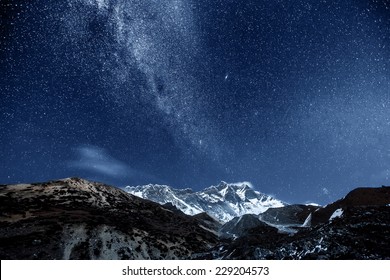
[(293, 96)]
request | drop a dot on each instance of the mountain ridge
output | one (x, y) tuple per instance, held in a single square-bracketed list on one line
[(223, 201), (73, 218)]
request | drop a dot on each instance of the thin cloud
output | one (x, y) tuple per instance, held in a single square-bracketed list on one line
[(98, 160), (97, 164)]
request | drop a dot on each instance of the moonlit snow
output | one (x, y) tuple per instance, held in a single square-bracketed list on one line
[(336, 214)]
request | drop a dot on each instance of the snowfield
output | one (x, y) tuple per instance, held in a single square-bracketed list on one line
[(223, 202)]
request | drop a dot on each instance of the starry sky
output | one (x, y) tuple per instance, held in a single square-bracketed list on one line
[(291, 95)]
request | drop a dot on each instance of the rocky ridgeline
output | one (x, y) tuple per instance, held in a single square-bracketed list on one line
[(77, 219), (223, 202)]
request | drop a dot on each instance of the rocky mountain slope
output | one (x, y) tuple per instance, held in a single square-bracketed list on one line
[(77, 219), (358, 197), (289, 215), (360, 233), (355, 227), (222, 202), (239, 226)]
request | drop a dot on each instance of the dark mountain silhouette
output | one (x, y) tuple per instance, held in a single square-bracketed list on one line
[(359, 197)]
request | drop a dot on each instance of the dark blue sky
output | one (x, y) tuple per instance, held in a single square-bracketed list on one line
[(293, 96)]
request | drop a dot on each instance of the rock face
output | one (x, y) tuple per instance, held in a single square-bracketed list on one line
[(77, 219), (293, 215), (222, 202), (207, 222), (239, 226)]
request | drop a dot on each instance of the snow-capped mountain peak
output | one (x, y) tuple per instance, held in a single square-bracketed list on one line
[(223, 202)]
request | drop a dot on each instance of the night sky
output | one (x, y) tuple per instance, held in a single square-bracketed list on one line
[(291, 95)]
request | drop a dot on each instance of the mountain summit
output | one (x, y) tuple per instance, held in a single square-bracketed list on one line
[(223, 202)]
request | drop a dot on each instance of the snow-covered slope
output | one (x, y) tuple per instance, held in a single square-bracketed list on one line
[(223, 202)]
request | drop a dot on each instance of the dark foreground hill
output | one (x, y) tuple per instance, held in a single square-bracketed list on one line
[(77, 219)]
